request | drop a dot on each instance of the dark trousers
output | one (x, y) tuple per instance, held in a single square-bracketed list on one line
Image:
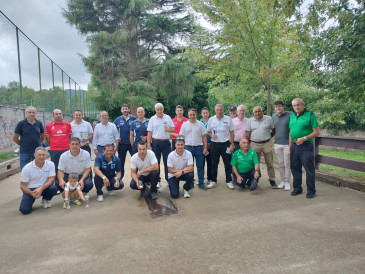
[(87, 148), (173, 142), (303, 155), (152, 177), (134, 148), (174, 183), (122, 154), (197, 153), (164, 148), (217, 150), (99, 184), (55, 157), (208, 160), (28, 201), (247, 178), (88, 183)]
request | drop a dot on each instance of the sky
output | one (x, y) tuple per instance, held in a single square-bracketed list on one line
[(43, 23)]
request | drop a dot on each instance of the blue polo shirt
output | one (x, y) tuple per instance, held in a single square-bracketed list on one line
[(206, 126), (124, 126), (109, 169), (30, 135), (139, 129)]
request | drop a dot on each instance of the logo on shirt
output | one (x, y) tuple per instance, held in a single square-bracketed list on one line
[(59, 131)]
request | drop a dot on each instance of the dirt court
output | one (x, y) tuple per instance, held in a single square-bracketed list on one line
[(215, 231)]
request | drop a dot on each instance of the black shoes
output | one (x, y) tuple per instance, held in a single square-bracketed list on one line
[(202, 186), (310, 195), (254, 184), (273, 184), (295, 193)]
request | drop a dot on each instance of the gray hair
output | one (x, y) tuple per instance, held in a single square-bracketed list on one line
[(159, 105), (30, 107), (219, 105), (242, 106), (298, 99), (40, 148), (257, 107)]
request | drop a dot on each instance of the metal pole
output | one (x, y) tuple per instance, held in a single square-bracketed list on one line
[(69, 89), (39, 69), (75, 96), (52, 74), (19, 67)]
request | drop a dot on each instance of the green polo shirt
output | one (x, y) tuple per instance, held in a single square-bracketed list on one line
[(244, 163), (302, 125)]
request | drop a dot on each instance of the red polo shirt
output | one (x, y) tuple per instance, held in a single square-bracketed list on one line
[(178, 125), (58, 135)]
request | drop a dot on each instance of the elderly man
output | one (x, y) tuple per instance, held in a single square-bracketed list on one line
[(281, 145), (144, 169), (37, 180), (75, 160), (158, 132), (105, 133), (29, 134), (107, 172), (303, 125), (58, 133), (82, 130), (181, 168), (245, 165), (259, 131), (208, 157), (239, 126), (221, 132), (178, 121), (138, 130), (195, 135), (123, 123), (233, 112)]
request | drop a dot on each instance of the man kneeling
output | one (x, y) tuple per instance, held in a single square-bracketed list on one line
[(245, 166), (180, 166), (37, 180)]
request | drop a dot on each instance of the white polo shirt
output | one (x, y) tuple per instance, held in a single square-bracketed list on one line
[(139, 164), (78, 164), (69, 187), (220, 128), (179, 162), (104, 135), (81, 131), (156, 125), (193, 133), (36, 177)]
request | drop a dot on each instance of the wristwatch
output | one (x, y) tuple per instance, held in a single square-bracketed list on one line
[(182, 171), (305, 138), (104, 177)]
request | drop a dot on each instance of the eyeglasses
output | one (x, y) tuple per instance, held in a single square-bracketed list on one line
[(179, 138)]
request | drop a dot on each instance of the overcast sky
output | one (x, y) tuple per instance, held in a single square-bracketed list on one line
[(43, 23)]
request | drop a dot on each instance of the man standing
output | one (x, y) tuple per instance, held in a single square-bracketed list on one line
[(233, 112), (82, 130), (259, 131), (144, 169), (138, 130), (58, 133), (29, 134), (178, 121), (181, 168), (245, 165), (123, 123), (207, 156), (239, 126), (105, 133), (281, 145), (303, 125), (158, 132), (195, 135), (75, 160), (37, 180), (107, 172), (221, 132)]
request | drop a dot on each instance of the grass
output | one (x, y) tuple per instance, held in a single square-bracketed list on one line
[(6, 156)]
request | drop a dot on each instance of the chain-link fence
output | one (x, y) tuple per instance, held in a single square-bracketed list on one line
[(28, 76)]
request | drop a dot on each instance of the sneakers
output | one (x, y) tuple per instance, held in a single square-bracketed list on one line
[(281, 185), (77, 202), (254, 184), (211, 184), (310, 195), (230, 185), (295, 192), (186, 193), (287, 186), (111, 192), (86, 195), (100, 198), (66, 204), (154, 195), (158, 185), (273, 184), (202, 186), (46, 203)]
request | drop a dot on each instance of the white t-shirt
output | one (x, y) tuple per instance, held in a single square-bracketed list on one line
[(156, 125), (69, 187), (36, 177), (193, 133), (220, 128), (179, 162), (104, 135), (138, 164), (78, 164), (81, 131)]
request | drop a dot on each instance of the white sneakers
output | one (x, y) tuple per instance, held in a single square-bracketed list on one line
[(230, 185), (158, 185), (100, 198), (86, 195), (281, 185), (211, 184), (186, 193), (284, 185), (46, 203), (111, 192)]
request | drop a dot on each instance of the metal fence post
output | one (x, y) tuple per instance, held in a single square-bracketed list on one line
[(19, 66), (39, 69)]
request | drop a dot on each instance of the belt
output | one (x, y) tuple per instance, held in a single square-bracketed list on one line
[(263, 142), (85, 145), (160, 139), (194, 146)]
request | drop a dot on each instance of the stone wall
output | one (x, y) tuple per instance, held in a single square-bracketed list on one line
[(9, 118)]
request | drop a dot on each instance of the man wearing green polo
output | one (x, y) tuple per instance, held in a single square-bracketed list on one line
[(303, 125)]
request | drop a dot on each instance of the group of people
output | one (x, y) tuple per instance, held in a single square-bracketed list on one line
[(239, 141)]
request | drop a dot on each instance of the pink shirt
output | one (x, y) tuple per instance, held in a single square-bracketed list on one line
[(240, 128), (178, 125)]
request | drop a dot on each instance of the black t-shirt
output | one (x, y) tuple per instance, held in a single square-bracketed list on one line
[(30, 135)]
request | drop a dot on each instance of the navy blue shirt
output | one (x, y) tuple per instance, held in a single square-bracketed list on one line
[(139, 129), (124, 125), (109, 169), (30, 135)]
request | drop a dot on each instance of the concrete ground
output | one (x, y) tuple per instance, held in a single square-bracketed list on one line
[(216, 231)]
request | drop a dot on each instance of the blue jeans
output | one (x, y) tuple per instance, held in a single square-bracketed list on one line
[(100, 149), (197, 153), (28, 201), (164, 148), (303, 155), (25, 159), (99, 184), (88, 183), (122, 154), (174, 183), (152, 177)]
